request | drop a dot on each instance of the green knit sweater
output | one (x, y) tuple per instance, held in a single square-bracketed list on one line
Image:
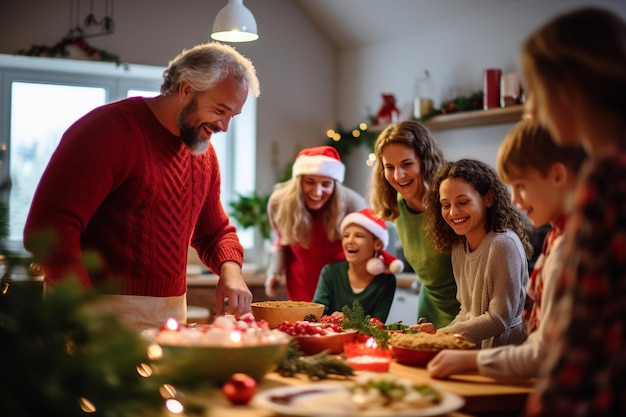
[(437, 299)]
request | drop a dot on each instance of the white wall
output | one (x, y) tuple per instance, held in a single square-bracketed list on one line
[(455, 56), (295, 63), (307, 85)]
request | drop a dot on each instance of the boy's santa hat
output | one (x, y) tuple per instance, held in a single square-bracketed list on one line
[(377, 226), (321, 160)]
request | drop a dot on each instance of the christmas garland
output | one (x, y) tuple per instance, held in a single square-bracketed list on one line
[(458, 104), (60, 50), (345, 140)]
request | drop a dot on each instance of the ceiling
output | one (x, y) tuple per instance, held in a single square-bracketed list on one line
[(356, 23)]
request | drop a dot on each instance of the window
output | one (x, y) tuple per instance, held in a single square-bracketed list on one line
[(41, 97)]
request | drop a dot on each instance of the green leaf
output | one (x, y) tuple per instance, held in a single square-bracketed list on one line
[(251, 211)]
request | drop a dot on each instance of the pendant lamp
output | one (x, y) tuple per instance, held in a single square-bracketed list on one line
[(234, 23)]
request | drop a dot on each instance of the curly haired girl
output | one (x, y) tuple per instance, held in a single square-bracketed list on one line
[(470, 215)]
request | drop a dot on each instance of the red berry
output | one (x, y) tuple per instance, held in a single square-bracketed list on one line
[(377, 322), (239, 388)]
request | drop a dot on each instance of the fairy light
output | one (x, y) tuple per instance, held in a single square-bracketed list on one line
[(155, 351), (167, 391), (86, 405), (356, 133), (330, 133), (174, 406), (144, 370)]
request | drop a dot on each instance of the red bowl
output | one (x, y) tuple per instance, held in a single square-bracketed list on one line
[(310, 345), (413, 357)]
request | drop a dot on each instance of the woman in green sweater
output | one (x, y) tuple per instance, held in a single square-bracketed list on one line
[(407, 159)]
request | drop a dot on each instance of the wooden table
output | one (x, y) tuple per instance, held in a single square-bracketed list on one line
[(483, 396)]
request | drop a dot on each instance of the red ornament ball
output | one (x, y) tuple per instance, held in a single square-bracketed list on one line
[(239, 388)]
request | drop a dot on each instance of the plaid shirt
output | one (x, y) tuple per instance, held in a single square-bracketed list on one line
[(586, 369)]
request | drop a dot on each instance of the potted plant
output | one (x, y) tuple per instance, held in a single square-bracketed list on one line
[(251, 211)]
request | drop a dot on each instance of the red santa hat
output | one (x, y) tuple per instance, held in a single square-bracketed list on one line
[(321, 160), (377, 226)]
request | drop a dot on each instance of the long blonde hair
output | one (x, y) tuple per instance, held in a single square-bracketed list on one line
[(292, 220), (383, 197)]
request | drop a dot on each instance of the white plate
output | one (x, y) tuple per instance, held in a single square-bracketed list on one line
[(333, 400)]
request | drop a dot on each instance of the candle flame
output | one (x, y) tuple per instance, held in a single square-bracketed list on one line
[(171, 324), (371, 343), (235, 336)]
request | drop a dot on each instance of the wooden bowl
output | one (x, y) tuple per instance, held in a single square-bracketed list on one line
[(413, 357), (277, 312), (310, 345)]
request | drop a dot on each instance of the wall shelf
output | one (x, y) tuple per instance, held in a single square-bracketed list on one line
[(471, 118)]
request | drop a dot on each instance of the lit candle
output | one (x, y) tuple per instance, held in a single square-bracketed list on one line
[(367, 356), (235, 338), (171, 324)]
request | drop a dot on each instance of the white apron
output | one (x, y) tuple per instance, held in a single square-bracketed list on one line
[(140, 312)]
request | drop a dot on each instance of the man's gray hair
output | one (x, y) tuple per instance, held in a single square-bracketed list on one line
[(205, 65)]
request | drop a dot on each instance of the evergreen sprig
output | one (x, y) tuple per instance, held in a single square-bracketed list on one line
[(355, 318), (59, 354), (60, 50), (319, 366)]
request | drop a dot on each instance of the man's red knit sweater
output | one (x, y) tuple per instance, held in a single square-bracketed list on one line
[(124, 198)]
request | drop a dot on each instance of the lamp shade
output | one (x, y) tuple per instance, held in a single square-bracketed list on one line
[(234, 23)]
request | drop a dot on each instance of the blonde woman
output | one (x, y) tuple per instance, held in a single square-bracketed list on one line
[(305, 212)]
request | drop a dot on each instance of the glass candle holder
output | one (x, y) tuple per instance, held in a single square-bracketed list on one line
[(367, 356)]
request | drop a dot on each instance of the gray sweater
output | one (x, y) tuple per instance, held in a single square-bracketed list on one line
[(524, 361), (491, 287)]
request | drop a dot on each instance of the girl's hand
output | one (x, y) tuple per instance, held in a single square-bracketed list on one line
[(450, 361), (271, 283), (424, 327)]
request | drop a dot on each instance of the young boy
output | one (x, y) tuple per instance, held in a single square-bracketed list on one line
[(368, 273), (542, 177)]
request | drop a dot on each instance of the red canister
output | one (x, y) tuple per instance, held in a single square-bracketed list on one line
[(491, 88)]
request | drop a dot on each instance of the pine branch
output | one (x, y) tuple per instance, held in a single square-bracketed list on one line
[(355, 318)]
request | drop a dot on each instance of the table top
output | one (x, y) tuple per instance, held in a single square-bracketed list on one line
[(482, 395)]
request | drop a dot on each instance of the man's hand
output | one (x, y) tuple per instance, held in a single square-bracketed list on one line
[(232, 294)]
